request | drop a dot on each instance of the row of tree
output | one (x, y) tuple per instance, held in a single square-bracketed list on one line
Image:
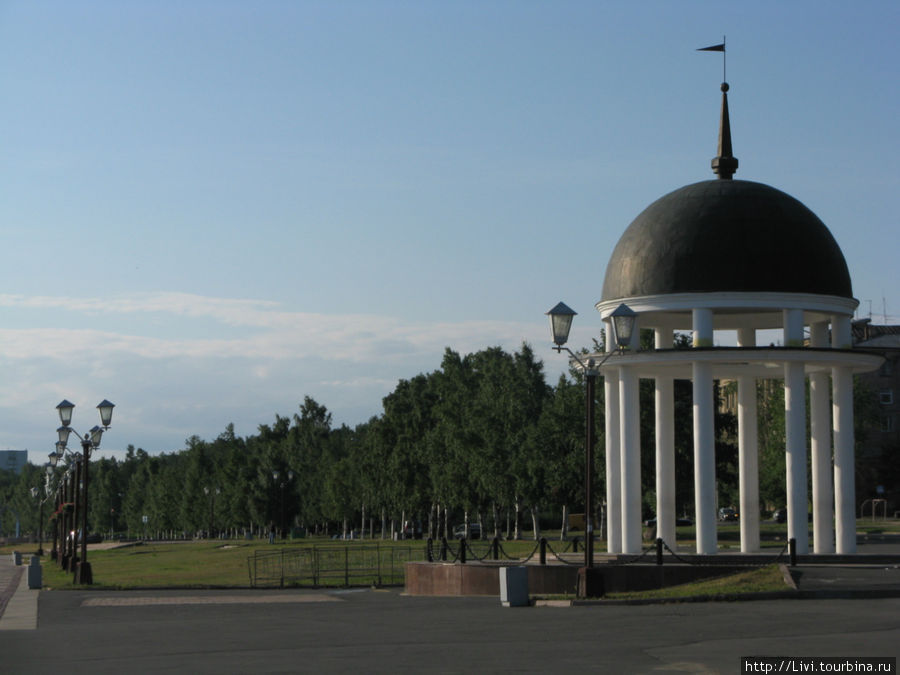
[(483, 438)]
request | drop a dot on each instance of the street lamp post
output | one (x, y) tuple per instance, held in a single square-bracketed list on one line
[(51, 471), (623, 326), (290, 477), (36, 492), (65, 489), (90, 441), (211, 493), (70, 529)]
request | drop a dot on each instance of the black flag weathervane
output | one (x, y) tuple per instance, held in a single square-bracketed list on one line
[(717, 48), (725, 163)]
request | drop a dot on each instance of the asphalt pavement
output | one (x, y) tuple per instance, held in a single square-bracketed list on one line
[(298, 631)]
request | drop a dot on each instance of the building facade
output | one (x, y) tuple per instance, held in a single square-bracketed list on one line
[(13, 460), (878, 468)]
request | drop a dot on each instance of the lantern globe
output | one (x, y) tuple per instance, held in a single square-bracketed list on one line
[(65, 409), (106, 410), (561, 322), (623, 319)]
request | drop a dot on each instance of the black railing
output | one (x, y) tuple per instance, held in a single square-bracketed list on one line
[(332, 566)]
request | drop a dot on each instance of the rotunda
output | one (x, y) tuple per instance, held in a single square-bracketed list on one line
[(740, 256)]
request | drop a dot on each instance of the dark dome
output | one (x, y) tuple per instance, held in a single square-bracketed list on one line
[(726, 236)]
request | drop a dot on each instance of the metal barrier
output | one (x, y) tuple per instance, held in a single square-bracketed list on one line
[(332, 566), (495, 550), (790, 547)]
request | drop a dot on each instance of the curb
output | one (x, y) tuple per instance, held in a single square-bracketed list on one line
[(873, 594)]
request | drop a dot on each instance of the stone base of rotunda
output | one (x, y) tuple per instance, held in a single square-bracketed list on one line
[(613, 575)]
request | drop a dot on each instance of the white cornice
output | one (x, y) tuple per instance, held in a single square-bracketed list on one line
[(730, 310), (731, 362)]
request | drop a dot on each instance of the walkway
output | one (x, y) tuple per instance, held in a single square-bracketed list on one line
[(18, 603)]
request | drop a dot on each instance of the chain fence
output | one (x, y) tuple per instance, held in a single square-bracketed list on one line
[(378, 565), (707, 561), (445, 551)]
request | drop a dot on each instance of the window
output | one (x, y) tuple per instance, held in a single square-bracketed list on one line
[(886, 397), (887, 423)]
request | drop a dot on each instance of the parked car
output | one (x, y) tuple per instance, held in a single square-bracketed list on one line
[(474, 531), (679, 522), (780, 516), (727, 514), (92, 538)]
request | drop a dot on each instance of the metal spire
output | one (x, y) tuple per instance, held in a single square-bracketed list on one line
[(725, 164)]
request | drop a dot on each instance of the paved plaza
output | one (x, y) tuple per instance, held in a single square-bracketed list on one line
[(296, 631)]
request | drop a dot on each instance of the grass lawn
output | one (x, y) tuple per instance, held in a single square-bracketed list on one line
[(190, 564), (759, 580), (203, 564)]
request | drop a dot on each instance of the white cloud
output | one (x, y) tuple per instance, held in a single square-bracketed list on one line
[(197, 377), (278, 334)]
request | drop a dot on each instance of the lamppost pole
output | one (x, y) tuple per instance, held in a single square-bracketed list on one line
[(560, 324), (90, 441), (290, 477), (590, 379), (72, 523), (47, 494), (54, 493), (36, 492), (211, 493), (63, 519)]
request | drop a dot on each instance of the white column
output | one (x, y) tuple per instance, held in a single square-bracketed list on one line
[(630, 430), (793, 327), (844, 469), (795, 435), (704, 438), (613, 450), (702, 320), (665, 448), (820, 442), (748, 452), (704, 459), (841, 335)]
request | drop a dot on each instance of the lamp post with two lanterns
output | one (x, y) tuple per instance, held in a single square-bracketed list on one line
[(623, 320), (89, 442)]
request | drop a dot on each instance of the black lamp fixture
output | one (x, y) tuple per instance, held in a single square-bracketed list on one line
[(623, 321), (90, 441), (561, 323)]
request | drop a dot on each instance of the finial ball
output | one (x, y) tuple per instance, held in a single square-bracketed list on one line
[(724, 87)]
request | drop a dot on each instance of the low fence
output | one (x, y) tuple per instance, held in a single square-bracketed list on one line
[(348, 565)]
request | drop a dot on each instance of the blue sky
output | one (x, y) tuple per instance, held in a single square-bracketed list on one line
[(211, 209)]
